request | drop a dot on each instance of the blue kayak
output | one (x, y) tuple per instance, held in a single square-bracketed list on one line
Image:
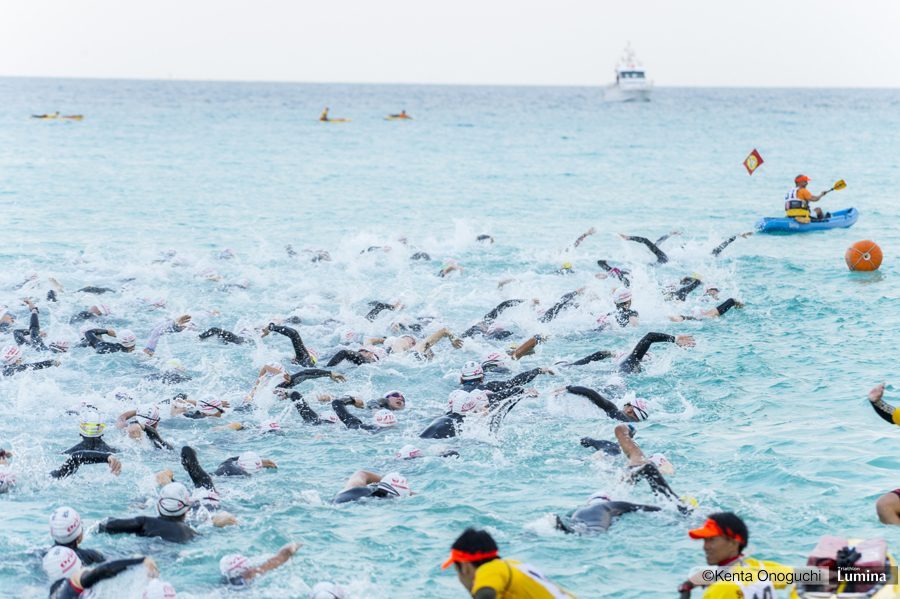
[(841, 219)]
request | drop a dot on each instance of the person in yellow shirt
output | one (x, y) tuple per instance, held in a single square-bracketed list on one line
[(796, 201), (732, 575), (487, 576)]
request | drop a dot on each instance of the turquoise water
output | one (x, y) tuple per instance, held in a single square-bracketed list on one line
[(766, 416)]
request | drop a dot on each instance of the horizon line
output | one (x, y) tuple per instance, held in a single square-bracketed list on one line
[(431, 84)]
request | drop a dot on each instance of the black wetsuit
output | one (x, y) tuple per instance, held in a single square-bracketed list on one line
[(307, 413), (597, 517), (13, 369), (32, 335), (688, 284), (481, 327), (97, 290), (164, 527), (620, 274), (301, 354), (103, 347), (357, 493), (886, 411), (225, 336), (91, 450), (720, 309), (563, 303), (88, 557), (349, 355), (64, 589), (200, 477), (304, 375), (82, 316), (719, 248), (601, 402), (169, 377), (500, 403), (377, 308), (661, 257), (420, 256), (632, 363), (523, 378)]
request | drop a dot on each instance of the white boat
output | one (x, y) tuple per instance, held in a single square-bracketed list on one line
[(631, 83)]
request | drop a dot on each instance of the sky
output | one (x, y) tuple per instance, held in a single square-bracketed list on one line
[(777, 43)]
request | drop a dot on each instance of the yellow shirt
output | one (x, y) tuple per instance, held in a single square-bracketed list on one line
[(746, 581), (514, 580)]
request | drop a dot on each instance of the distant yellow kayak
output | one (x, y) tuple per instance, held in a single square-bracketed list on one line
[(335, 121), (74, 117)]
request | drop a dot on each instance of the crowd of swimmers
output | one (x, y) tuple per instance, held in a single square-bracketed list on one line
[(487, 392)]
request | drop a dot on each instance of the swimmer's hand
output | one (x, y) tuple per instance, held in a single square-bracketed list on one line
[(504, 283), (164, 477), (324, 397), (738, 304), (559, 391), (685, 341), (290, 549), (747, 234), (183, 320), (56, 362), (456, 342), (876, 393), (338, 378), (152, 568), (223, 519), (677, 318), (115, 466), (532, 392), (111, 332), (547, 370)]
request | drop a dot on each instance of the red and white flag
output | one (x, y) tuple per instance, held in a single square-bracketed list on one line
[(753, 161)]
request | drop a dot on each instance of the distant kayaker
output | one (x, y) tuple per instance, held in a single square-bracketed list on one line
[(324, 116), (796, 201), (402, 115)]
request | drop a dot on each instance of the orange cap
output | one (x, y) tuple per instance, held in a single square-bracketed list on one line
[(801, 178), (463, 557), (711, 529)]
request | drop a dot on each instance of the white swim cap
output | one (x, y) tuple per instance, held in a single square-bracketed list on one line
[(233, 565), (621, 295), (378, 352), (492, 360), (175, 364), (210, 405), (11, 354), (640, 408), (159, 589), (65, 525), (407, 452), (206, 497), (61, 562), (149, 413), (60, 345), (397, 483), (91, 424), (250, 462), (385, 418), (327, 590), (126, 337), (103, 309), (174, 500), (598, 496), (270, 426), (471, 371)]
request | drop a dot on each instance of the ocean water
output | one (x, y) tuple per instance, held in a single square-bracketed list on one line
[(766, 416)]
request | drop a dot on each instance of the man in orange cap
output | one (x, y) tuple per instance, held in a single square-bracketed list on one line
[(732, 575), (486, 576), (796, 201)]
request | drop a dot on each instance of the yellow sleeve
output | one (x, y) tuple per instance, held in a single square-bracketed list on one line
[(896, 416), (776, 568), (492, 575)]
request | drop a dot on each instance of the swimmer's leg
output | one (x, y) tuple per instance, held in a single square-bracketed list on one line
[(192, 466)]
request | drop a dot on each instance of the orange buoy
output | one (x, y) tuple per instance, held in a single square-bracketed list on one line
[(863, 255)]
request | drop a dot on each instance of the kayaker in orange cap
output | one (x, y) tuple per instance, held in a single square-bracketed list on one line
[(796, 201)]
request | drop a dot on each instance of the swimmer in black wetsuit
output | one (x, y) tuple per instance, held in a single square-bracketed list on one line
[(564, 302), (70, 579), (661, 257), (619, 273), (67, 531), (223, 335), (142, 421), (378, 307), (632, 363), (631, 412), (96, 290), (483, 327), (246, 464), (471, 377), (126, 342), (91, 313), (367, 354), (598, 515), (478, 403), (363, 484), (92, 449), (302, 355), (33, 337), (173, 504), (721, 247), (12, 362)]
